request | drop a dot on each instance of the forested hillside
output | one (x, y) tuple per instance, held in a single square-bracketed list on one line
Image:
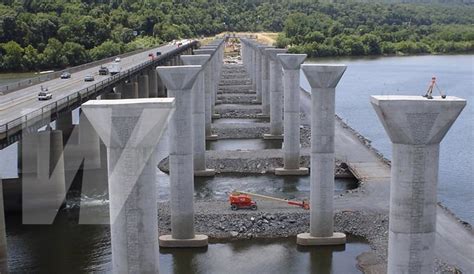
[(44, 34)]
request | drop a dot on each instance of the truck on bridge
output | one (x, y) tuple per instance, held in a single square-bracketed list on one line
[(115, 68)]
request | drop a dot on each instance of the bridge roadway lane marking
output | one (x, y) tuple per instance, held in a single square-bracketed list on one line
[(58, 90)]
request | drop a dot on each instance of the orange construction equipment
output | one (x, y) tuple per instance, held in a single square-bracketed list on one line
[(243, 199)]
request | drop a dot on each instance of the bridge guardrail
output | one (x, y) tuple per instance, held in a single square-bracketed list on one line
[(65, 102), (53, 75)]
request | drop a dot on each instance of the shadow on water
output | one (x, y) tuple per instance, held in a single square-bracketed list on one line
[(243, 144), (264, 256)]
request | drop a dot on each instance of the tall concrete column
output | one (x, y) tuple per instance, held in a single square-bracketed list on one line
[(43, 181), (119, 87), (258, 74), (64, 123), (323, 80), (199, 119), (130, 90), (416, 126), (291, 64), (160, 86), (179, 81), (3, 235), (131, 129), (89, 142), (276, 94), (153, 83), (265, 75), (211, 91), (143, 86)]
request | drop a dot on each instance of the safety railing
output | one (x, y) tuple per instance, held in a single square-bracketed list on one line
[(69, 101)]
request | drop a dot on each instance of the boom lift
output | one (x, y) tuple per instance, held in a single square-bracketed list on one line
[(243, 199)]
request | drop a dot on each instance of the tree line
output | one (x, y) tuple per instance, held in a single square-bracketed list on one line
[(45, 34)]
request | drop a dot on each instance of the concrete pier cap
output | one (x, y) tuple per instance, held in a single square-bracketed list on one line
[(179, 77), (323, 75), (416, 126), (405, 117), (291, 61)]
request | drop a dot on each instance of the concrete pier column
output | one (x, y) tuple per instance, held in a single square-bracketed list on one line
[(276, 94), (44, 189), (160, 86), (131, 129), (143, 86), (291, 64), (416, 126), (265, 78), (64, 123), (3, 235), (89, 142), (211, 88), (119, 87), (153, 83), (130, 90), (111, 96), (323, 80), (198, 99), (258, 74), (179, 80)]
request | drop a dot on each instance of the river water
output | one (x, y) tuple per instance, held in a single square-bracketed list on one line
[(410, 76)]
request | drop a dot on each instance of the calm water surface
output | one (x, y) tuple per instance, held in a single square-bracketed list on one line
[(410, 76)]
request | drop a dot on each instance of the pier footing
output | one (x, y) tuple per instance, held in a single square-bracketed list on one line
[(306, 239), (291, 172), (197, 241)]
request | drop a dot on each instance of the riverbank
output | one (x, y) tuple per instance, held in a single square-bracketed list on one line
[(360, 212)]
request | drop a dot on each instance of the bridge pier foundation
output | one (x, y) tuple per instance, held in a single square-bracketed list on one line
[(276, 95), (323, 80), (131, 130), (416, 126), (179, 81), (291, 64), (199, 120)]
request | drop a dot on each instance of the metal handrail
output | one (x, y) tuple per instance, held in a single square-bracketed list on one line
[(84, 93)]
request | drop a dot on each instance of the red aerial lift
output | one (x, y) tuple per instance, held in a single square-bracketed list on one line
[(242, 199)]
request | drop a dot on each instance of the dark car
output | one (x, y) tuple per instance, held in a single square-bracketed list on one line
[(89, 78), (65, 75), (158, 53), (103, 70)]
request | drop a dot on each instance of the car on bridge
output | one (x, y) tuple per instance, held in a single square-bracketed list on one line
[(118, 59), (103, 70), (89, 78), (65, 75), (44, 94)]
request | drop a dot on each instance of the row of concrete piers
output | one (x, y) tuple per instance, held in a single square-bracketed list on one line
[(131, 129)]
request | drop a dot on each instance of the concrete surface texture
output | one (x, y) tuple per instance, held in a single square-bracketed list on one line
[(179, 81), (276, 94), (89, 142), (44, 188), (265, 78), (416, 126), (153, 83), (323, 80), (143, 86), (3, 235), (131, 130), (291, 142), (198, 99)]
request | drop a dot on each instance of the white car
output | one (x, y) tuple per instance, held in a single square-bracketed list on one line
[(45, 95), (118, 59)]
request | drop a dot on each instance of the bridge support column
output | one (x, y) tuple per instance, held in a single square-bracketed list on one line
[(276, 95), (179, 81), (131, 130), (323, 80), (64, 123), (291, 64), (153, 83), (199, 119), (265, 75), (416, 126), (258, 74), (143, 86), (211, 90), (130, 90), (119, 87), (43, 180), (3, 235), (89, 141)]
